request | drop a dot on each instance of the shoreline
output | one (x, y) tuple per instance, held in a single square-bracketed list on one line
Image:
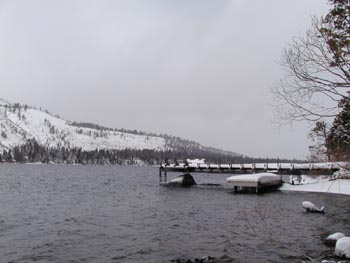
[(320, 184)]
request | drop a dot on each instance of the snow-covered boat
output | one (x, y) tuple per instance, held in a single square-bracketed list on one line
[(255, 182)]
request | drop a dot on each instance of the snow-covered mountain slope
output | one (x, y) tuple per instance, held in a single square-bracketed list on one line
[(19, 123)]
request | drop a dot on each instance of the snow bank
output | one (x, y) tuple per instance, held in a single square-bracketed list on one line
[(342, 174), (320, 184)]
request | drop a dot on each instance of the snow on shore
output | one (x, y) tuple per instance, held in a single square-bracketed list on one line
[(320, 184)]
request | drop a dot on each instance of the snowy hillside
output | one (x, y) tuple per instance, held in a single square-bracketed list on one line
[(29, 134), (19, 123)]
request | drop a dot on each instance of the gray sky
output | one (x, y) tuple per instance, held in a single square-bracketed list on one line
[(198, 69)]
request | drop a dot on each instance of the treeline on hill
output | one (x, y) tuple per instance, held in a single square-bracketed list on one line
[(32, 151), (103, 128), (172, 142)]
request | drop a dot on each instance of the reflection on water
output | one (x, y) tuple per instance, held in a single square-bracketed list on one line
[(56, 213)]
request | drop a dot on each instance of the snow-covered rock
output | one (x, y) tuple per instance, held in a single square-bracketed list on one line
[(310, 207), (342, 247), (332, 239), (182, 180)]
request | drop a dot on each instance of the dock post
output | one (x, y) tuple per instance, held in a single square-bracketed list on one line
[(281, 178), (165, 177), (160, 174)]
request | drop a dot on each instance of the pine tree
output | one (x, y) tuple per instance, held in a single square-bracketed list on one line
[(338, 140)]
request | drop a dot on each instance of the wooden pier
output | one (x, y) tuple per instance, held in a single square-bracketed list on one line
[(276, 168)]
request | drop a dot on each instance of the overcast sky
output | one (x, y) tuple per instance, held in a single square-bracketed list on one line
[(198, 69)]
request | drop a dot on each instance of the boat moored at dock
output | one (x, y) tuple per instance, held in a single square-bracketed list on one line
[(258, 182)]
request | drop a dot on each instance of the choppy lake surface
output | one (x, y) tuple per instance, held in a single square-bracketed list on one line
[(57, 213)]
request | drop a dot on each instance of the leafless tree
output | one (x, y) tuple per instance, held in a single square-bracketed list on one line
[(316, 78)]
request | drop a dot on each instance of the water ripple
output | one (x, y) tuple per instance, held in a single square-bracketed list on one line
[(54, 213)]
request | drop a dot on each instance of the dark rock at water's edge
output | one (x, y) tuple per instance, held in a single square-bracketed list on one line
[(184, 180), (207, 259), (188, 180), (331, 240)]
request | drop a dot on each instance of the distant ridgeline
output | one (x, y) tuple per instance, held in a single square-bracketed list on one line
[(28, 134)]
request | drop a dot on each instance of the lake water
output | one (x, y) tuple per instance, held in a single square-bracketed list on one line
[(58, 213)]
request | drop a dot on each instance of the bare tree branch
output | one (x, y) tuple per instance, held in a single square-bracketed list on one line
[(315, 82)]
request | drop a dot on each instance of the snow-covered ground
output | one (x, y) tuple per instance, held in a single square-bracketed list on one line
[(16, 127), (321, 184)]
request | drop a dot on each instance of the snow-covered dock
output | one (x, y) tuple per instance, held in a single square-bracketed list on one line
[(251, 177), (276, 168), (255, 182)]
